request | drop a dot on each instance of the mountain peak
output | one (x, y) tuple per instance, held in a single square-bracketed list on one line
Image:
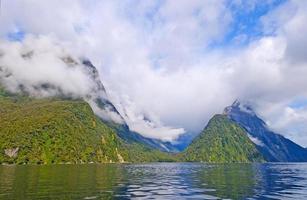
[(237, 106), (274, 147)]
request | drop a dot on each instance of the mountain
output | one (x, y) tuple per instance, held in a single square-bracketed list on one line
[(101, 102), (129, 136), (97, 98), (274, 147), (183, 141), (52, 99), (55, 130), (222, 140), (66, 125), (66, 130), (73, 77)]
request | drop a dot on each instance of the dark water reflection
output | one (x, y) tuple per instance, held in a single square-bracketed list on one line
[(155, 181)]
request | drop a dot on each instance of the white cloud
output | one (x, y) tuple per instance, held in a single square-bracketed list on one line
[(255, 140), (38, 61), (41, 67), (155, 60)]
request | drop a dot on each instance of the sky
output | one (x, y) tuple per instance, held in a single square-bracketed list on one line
[(169, 66)]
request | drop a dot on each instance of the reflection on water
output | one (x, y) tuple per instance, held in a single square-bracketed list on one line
[(155, 181)]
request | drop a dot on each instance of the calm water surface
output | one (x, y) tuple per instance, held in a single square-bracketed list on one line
[(155, 181)]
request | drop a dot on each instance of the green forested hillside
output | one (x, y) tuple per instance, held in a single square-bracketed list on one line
[(222, 141), (54, 130), (44, 131)]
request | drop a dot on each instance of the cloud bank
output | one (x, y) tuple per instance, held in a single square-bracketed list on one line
[(176, 63), (41, 67)]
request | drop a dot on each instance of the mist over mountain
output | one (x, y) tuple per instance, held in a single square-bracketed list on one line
[(42, 68)]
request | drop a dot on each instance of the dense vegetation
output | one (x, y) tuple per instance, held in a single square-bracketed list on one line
[(54, 130), (139, 153), (47, 131), (222, 141)]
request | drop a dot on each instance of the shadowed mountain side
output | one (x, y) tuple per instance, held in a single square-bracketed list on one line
[(274, 147)]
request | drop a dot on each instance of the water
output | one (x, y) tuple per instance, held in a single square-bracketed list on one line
[(155, 181)]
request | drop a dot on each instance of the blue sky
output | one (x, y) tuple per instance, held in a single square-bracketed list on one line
[(16, 35), (298, 103), (246, 25)]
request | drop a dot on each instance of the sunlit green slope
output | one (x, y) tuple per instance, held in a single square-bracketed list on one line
[(222, 141), (55, 130), (43, 131)]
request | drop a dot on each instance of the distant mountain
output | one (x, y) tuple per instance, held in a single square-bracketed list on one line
[(274, 147), (222, 140), (183, 141), (131, 137), (123, 130)]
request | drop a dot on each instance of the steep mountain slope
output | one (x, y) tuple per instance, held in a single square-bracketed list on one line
[(53, 131), (90, 90), (106, 110), (98, 96), (222, 141), (57, 130), (273, 147), (102, 103)]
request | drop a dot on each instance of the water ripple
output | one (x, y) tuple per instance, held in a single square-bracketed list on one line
[(155, 181)]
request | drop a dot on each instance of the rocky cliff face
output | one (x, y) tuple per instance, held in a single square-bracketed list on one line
[(98, 97), (101, 104), (274, 147)]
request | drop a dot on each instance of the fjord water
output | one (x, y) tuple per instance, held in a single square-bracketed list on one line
[(155, 181)]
